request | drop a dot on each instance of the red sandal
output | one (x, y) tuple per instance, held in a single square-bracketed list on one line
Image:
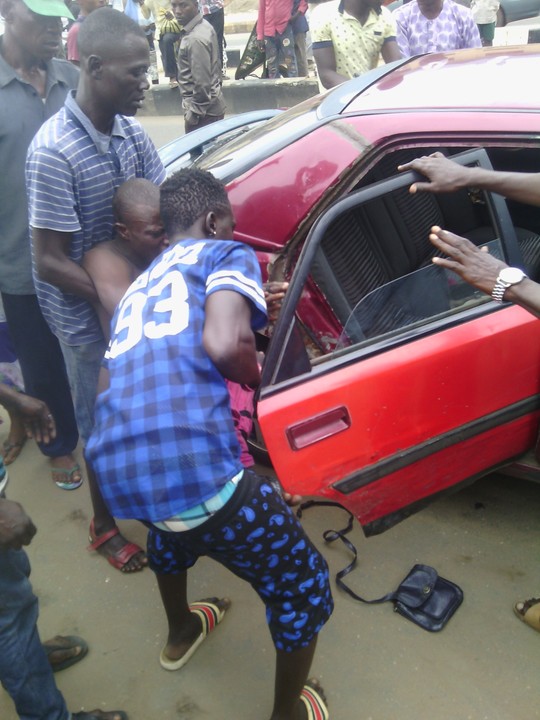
[(121, 557)]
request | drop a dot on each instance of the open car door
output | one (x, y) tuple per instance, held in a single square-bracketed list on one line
[(431, 383)]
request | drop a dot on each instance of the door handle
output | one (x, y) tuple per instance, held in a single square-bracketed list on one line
[(319, 427)]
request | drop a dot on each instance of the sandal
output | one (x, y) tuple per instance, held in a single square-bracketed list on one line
[(69, 642), (122, 556), (314, 701), (211, 615), (72, 482), (529, 612)]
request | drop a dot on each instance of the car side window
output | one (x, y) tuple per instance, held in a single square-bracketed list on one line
[(369, 258)]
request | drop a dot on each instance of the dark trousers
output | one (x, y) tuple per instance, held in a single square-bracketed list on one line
[(43, 368), (168, 55), (217, 21)]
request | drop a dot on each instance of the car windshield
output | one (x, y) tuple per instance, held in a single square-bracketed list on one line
[(428, 294), (227, 160)]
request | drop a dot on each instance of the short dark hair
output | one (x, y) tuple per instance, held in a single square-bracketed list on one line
[(136, 191), (103, 29), (187, 195)]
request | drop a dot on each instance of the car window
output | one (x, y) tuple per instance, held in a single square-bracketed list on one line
[(431, 293), (369, 258)]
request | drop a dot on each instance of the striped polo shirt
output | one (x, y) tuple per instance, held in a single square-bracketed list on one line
[(72, 172)]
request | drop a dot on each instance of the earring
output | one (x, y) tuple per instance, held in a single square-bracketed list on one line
[(212, 232)]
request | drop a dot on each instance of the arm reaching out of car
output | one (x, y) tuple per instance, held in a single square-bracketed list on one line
[(479, 268), (444, 175)]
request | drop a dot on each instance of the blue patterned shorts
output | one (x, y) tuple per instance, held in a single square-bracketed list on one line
[(258, 538)]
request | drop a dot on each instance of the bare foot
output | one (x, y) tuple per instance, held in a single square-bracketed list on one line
[(120, 553)]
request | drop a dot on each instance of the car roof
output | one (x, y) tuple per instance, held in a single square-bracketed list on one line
[(481, 78)]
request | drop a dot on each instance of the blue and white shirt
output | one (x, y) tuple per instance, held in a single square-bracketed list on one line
[(164, 438), (72, 172)]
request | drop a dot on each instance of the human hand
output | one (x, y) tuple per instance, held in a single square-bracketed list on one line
[(274, 292), (443, 174), (169, 15), (16, 528), (38, 420), (475, 265)]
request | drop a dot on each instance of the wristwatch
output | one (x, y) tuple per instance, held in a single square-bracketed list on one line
[(507, 277)]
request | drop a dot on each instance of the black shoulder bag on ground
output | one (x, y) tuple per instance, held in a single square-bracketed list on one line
[(423, 596)]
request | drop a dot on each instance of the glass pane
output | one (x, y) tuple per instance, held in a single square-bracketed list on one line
[(428, 294)]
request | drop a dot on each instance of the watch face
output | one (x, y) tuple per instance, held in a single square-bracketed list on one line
[(511, 275)]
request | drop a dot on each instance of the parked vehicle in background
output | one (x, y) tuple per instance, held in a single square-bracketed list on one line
[(387, 381)]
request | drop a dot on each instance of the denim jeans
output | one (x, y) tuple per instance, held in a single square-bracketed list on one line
[(83, 363), (43, 368), (280, 53), (25, 672)]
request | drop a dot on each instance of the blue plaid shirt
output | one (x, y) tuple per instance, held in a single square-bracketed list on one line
[(164, 437)]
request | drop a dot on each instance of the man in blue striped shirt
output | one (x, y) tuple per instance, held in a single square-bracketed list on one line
[(75, 163)]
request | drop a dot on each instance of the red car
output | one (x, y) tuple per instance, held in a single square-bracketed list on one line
[(388, 381)]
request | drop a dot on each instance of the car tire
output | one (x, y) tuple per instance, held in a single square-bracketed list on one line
[(501, 18)]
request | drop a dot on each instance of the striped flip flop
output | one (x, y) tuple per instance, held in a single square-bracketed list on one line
[(314, 703), (211, 615)]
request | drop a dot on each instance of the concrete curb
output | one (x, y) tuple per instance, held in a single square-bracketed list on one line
[(240, 96)]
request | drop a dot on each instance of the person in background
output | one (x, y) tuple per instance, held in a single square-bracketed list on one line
[(484, 13), (429, 26), (199, 67), (350, 37), (75, 163), (86, 7), (214, 13), (275, 32), (300, 28), (33, 86), (478, 267), (169, 34), (27, 665)]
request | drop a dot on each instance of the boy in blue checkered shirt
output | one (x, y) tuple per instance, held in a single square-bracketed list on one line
[(165, 451)]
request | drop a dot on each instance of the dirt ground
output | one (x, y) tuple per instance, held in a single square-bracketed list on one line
[(373, 664)]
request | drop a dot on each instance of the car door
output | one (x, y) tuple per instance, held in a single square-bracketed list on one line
[(429, 384)]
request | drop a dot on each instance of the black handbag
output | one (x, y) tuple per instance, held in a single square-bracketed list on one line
[(423, 596)]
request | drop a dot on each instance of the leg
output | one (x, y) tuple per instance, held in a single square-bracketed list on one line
[(83, 363), (185, 626), (271, 49), (25, 672), (300, 50), (286, 55), (217, 21), (168, 56), (44, 372), (270, 550)]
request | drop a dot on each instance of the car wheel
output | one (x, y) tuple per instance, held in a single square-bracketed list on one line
[(501, 18)]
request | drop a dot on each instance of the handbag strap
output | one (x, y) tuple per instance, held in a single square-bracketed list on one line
[(332, 535)]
